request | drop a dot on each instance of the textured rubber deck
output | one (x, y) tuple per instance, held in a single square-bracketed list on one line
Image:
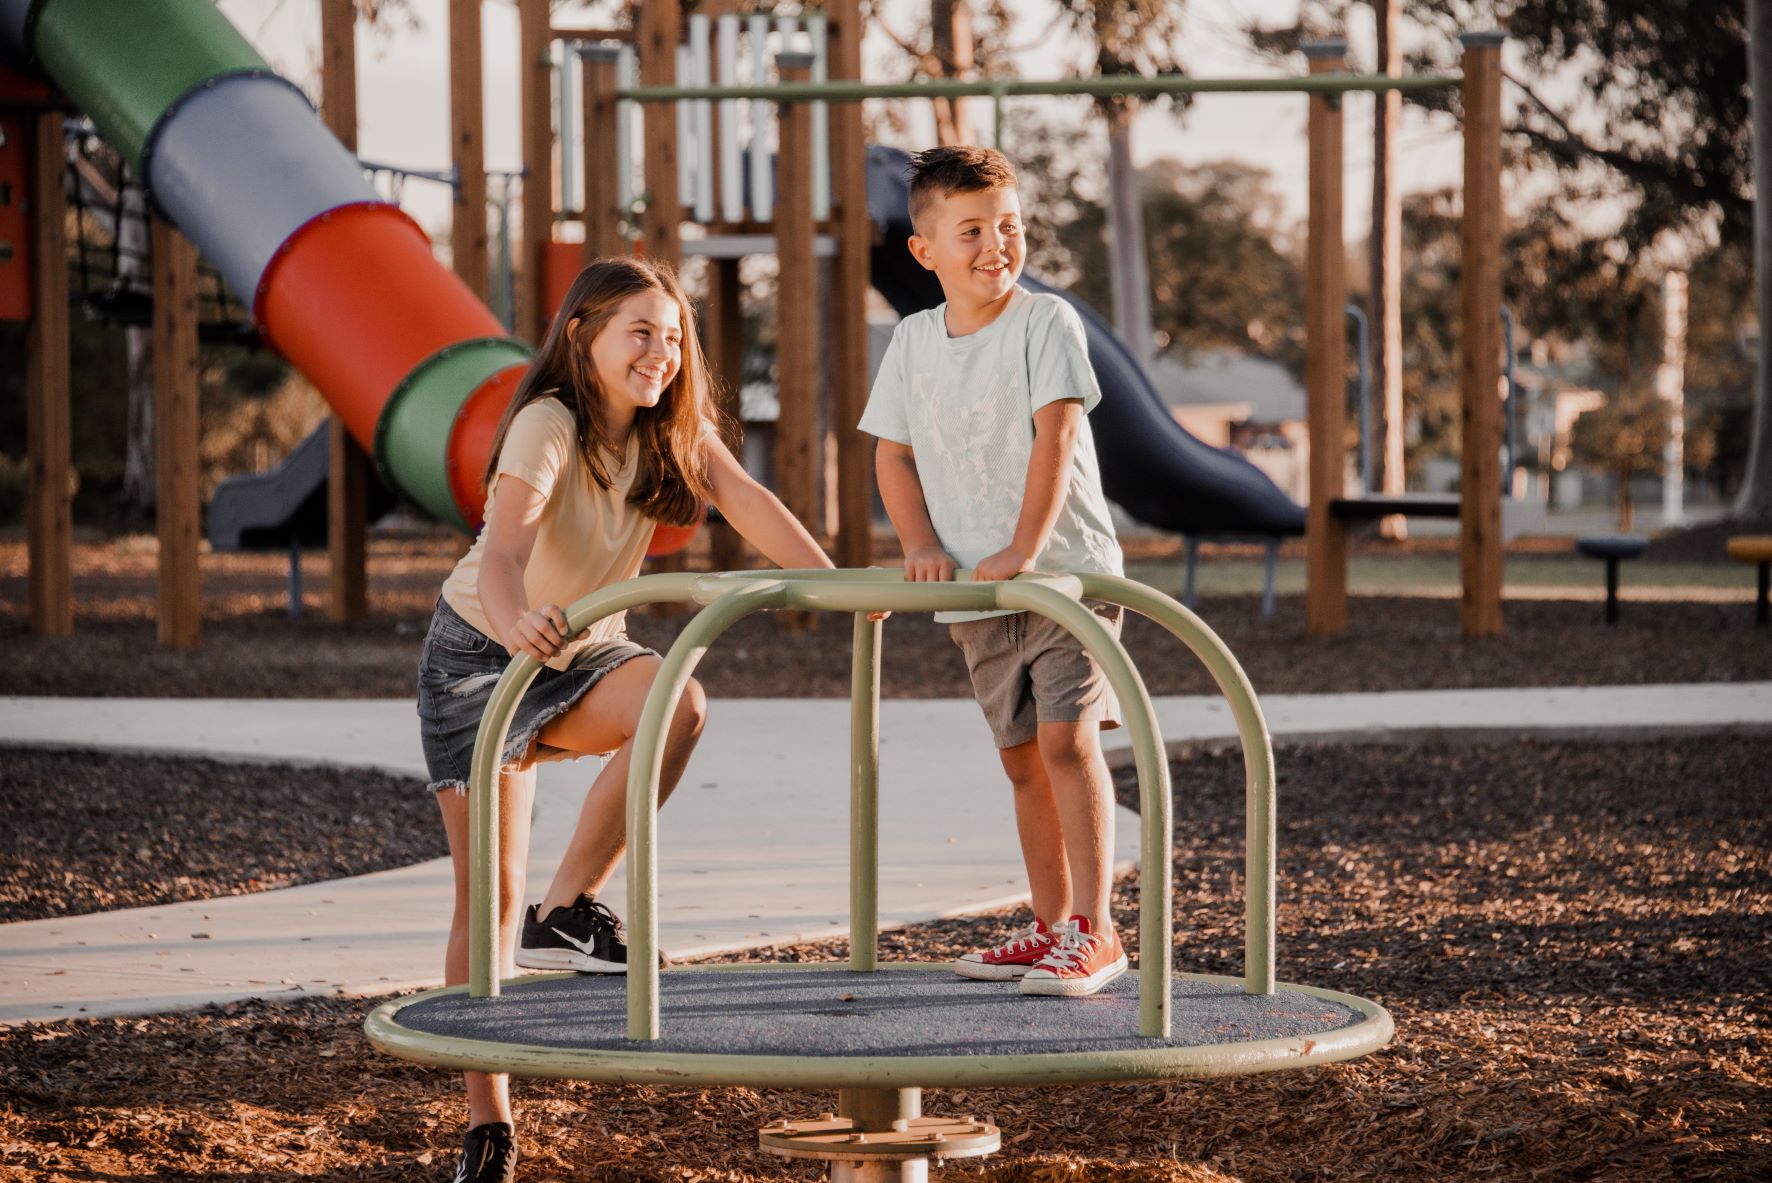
[(789, 1012)]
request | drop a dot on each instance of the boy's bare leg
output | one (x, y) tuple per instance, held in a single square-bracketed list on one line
[(1084, 796), (1037, 822), (489, 1096)]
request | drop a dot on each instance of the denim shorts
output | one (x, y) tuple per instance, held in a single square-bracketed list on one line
[(459, 665)]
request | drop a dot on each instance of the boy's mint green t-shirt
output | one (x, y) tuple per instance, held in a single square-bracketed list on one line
[(965, 407)]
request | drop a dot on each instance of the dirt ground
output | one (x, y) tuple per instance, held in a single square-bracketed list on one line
[(1570, 936), (93, 831), (252, 648)]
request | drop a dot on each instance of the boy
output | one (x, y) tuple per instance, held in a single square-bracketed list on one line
[(985, 460)]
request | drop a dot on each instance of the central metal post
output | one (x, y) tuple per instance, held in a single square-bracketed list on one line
[(873, 1111)]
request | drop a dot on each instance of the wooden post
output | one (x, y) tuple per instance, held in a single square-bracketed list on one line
[(722, 330), (657, 38), (1325, 294), (1479, 372), (603, 212), (347, 484), (176, 504), (854, 232), (1386, 258), (48, 417), (467, 143), (798, 455), (535, 85)]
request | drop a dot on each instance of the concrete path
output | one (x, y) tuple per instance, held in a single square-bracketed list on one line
[(753, 850)]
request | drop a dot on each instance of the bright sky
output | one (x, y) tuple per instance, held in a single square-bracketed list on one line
[(403, 96)]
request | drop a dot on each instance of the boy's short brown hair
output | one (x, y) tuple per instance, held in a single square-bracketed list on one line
[(943, 172)]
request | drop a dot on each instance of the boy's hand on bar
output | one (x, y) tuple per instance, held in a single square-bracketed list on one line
[(930, 564), (1005, 564)]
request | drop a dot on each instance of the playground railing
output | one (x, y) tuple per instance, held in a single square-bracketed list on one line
[(728, 597)]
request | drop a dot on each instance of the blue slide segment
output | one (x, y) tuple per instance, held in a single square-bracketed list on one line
[(1151, 467)]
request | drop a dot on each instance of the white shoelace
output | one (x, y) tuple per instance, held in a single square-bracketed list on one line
[(1021, 938), (1072, 949)]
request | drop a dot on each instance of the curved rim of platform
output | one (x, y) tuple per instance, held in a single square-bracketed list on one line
[(639, 1066)]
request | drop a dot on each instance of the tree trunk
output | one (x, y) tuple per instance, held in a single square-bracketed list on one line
[(1386, 247), (951, 23), (1755, 502), (1127, 266)]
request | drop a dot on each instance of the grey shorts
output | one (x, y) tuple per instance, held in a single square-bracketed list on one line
[(458, 666), (1028, 669)]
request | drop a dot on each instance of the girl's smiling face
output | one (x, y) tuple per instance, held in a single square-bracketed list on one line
[(638, 353)]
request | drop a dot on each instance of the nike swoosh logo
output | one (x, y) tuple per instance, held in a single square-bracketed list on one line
[(582, 946)]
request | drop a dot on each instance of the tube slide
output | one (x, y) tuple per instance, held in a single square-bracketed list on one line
[(341, 283), (1150, 465)]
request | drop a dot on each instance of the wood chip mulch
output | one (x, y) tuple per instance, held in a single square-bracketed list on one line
[(1572, 938), (95, 831)]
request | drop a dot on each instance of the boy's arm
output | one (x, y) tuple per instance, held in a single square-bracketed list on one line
[(1055, 436), (895, 467)]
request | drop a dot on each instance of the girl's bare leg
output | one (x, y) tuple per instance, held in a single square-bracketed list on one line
[(489, 1097), (605, 720)]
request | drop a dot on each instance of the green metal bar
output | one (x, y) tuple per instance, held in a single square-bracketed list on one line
[(1155, 891), (646, 1065), (489, 742), (646, 764), (1258, 759), (1103, 87), (864, 796)]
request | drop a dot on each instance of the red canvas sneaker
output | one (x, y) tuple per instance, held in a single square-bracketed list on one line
[(1080, 962), (1012, 958)]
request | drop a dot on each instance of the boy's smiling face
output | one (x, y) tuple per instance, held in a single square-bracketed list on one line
[(973, 242)]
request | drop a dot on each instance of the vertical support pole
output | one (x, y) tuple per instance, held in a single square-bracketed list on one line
[(762, 191), (535, 72), (657, 42), (1479, 338), (850, 280), (176, 507), (1325, 286), (864, 796), (467, 143), (347, 474), (48, 417), (874, 1110), (723, 343), (797, 451), (602, 180), (1386, 284)]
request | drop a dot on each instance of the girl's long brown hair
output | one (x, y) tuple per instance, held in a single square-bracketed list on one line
[(672, 481)]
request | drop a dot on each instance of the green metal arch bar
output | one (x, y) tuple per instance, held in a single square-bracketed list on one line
[(1102, 87), (1258, 758), (644, 768), (495, 725), (1054, 596), (643, 1066)]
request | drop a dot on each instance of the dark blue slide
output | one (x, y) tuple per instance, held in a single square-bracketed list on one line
[(1150, 466)]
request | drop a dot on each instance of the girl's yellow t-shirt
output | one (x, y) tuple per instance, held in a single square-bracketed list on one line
[(588, 537)]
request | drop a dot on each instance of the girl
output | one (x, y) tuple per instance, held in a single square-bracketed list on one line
[(608, 434)]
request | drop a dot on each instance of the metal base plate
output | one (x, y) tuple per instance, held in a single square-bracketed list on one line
[(836, 1139)]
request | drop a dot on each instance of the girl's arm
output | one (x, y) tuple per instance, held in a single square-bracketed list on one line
[(1056, 426), (510, 537), (755, 513), (895, 468)]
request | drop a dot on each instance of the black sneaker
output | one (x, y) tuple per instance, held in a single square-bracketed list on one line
[(488, 1154), (586, 937)]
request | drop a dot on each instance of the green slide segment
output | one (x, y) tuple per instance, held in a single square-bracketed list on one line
[(412, 435), (126, 61)]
